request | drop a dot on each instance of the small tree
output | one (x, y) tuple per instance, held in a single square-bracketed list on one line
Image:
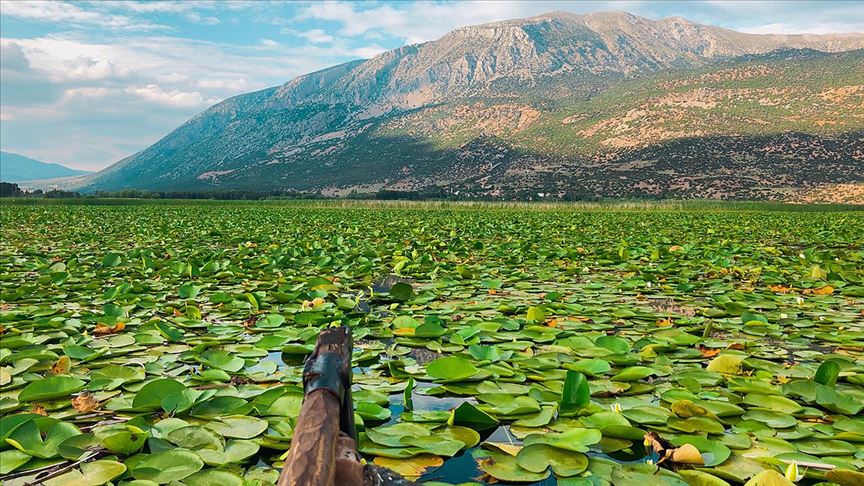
[(9, 189)]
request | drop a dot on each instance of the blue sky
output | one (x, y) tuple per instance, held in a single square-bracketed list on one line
[(86, 83)]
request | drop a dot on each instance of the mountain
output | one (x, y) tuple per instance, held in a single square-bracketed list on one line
[(605, 104), (17, 168)]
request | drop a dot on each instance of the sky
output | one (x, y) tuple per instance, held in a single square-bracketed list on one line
[(87, 83)]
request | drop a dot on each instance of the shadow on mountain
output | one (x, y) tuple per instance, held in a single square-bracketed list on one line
[(722, 167)]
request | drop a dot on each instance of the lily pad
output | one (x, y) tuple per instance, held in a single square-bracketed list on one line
[(505, 467), (450, 368), (164, 467), (538, 457), (49, 388)]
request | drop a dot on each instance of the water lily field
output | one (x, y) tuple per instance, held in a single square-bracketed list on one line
[(146, 344)]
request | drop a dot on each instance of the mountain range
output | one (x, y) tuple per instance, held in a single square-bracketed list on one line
[(18, 168), (559, 105)]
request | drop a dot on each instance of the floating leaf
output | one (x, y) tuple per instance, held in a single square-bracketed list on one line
[(93, 473), (537, 457), (48, 388), (575, 439), (450, 368), (633, 373), (214, 476), (402, 291), (411, 468), (189, 291), (505, 467), (470, 416), (41, 436), (827, 373), (167, 466), (235, 451), (12, 459), (729, 364), (270, 321), (151, 395), (121, 438), (769, 477), (575, 395)]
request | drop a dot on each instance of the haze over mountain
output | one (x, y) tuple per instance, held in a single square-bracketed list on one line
[(605, 104), (18, 168)]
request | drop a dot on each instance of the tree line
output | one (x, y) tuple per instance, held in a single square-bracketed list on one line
[(9, 189)]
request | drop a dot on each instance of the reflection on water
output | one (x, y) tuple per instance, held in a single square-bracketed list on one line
[(462, 467)]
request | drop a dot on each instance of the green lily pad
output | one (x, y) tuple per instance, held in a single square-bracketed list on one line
[(771, 419), (240, 426), (575, 439), (121, 438), (50, 388), (633, 373), (221, 360), (538, 457), (194, 437), (402, 291), (235, 451), (470, 416), (827, 373), (467, 436), (504, 467), (575, 396), (12, 459), (775, 403), (167, 466), (435, 444), (93, 473), (40, 437), (150, 396), (450, 368), (372, 411)]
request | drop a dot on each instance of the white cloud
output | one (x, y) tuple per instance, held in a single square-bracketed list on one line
[(198, 19), (12, 56), (269, 43), (64, 12), (171, 78), (315, 36), (92, 68), (812, 28), (125, 91), (164, 6), (236, 84), (155, 93), (85, 92), (368, 52), (422, 21)]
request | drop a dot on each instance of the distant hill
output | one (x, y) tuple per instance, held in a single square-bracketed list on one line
[(18, 168), (559, 105)]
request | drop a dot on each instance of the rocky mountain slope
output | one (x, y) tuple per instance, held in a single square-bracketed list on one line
[(17, 168), (605, 104)]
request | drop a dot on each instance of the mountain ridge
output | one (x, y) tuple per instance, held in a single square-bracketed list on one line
[(19, 168), (292, 135)]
